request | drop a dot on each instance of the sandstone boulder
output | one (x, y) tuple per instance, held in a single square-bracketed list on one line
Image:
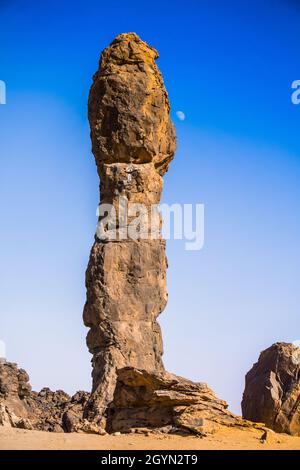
[(272, 391)]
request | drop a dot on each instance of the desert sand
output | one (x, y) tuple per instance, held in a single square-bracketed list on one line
[(224, 439)]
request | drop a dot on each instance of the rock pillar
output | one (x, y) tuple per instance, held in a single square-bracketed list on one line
[(133, 141)]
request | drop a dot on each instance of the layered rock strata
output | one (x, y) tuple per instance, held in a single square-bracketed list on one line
[(164, 401)]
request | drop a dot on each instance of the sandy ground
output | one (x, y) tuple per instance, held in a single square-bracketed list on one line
[(225, 438)]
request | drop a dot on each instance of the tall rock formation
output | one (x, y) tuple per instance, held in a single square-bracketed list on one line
[(133, 141), (272, 391)]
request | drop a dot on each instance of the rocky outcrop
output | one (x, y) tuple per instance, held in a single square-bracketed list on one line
[(15, 392), (143, 402), (154, 401), (133, 141), (272, 391), (21, 407)]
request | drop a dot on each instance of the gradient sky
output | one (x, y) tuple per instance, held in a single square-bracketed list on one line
[(228, 65)]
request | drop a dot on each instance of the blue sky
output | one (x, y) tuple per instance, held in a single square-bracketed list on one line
[(229, 67)]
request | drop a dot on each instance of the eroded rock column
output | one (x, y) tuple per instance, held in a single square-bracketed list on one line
[(133, 141)]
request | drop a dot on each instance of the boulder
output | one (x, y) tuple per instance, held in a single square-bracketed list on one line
[(272, 390), (161, 401)]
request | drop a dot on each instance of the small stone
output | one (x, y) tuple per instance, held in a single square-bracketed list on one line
[(264, 437), (165, 429)]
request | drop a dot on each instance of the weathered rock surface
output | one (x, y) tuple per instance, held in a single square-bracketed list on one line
[(21, 407), (133, 141), (146, 400), (272, 391), (129, 107)]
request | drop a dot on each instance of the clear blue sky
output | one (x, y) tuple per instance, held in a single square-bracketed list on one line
[(228, 65)]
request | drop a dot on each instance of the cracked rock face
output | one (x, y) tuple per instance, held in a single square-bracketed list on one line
[(133, 141), (272, 391)]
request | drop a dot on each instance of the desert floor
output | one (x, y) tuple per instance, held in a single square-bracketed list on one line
[(225, 438)]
